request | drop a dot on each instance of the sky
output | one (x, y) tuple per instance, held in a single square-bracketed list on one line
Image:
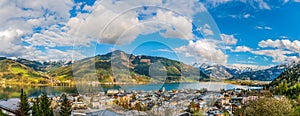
[(227, 32)]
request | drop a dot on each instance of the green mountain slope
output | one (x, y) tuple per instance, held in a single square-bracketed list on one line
[(15, 72), (128, 67), (291, 75), (288, 83)]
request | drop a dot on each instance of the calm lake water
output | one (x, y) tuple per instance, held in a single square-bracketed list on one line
[(7, 91)]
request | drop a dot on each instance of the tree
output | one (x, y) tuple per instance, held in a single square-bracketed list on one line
[(36, 107), (226, 113), (139, 107), (192, 106), (267, 107), (45, 104), (282, 87), (65, 108), (24, 106), (133, 97)]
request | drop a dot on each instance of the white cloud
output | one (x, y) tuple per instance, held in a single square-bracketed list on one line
[(268, 28), (263, 27), (229, 39), (296, 0), (278, 55), (11, 43), (258, 4), (283, 37), (51, 37), (164, 50), (247, 16), (242, 49), (206, 30), (108, 22), (19, 18), (263, 5), (118, 18), (282, 44), (204, 51), (179, 26), (279, 50), (285, 1)]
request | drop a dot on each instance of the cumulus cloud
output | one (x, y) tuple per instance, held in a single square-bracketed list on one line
[(204, 51), (206, 30), (54, 55), (178, 26), (229, 39), (19, 20), (278, 50), (281, 44), (48, 24), (277, 55), (11, 43), (108, 22), (242, 49)]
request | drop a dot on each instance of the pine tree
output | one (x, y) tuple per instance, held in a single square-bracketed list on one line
[(24, 106), (65, 108), (36, 107), (45, 104)]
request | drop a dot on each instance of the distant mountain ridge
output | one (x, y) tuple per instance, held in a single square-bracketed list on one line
[(236, 72), (138, 67), (268, 74), (291, 75)]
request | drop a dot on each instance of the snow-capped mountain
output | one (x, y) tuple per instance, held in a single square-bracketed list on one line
[(268, 74), (214, 70), (240, 71), (243, 68)]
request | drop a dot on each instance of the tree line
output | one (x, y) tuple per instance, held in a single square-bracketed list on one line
[(41, 106)]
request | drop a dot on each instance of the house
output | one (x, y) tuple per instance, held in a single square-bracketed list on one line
[(94, 112), (214, 112), (249, 98), (9, 106)]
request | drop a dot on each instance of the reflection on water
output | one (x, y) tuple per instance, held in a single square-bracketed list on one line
[(13, 91)]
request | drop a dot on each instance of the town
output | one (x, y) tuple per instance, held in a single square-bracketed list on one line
[(181, 102)]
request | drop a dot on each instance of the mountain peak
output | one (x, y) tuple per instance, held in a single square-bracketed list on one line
[(117, 51)]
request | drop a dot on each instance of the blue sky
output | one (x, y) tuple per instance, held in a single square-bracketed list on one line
[(259, 32)]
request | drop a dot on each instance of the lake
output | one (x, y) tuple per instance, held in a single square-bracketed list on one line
[(7, 91)]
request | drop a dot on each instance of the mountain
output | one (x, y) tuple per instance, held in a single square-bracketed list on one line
[(237, 69), (226, 72), (217, 71), (243, 72), (287, 83), (42, 66), (291, 75), (129, 68), (268, 74), (16, 72)]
